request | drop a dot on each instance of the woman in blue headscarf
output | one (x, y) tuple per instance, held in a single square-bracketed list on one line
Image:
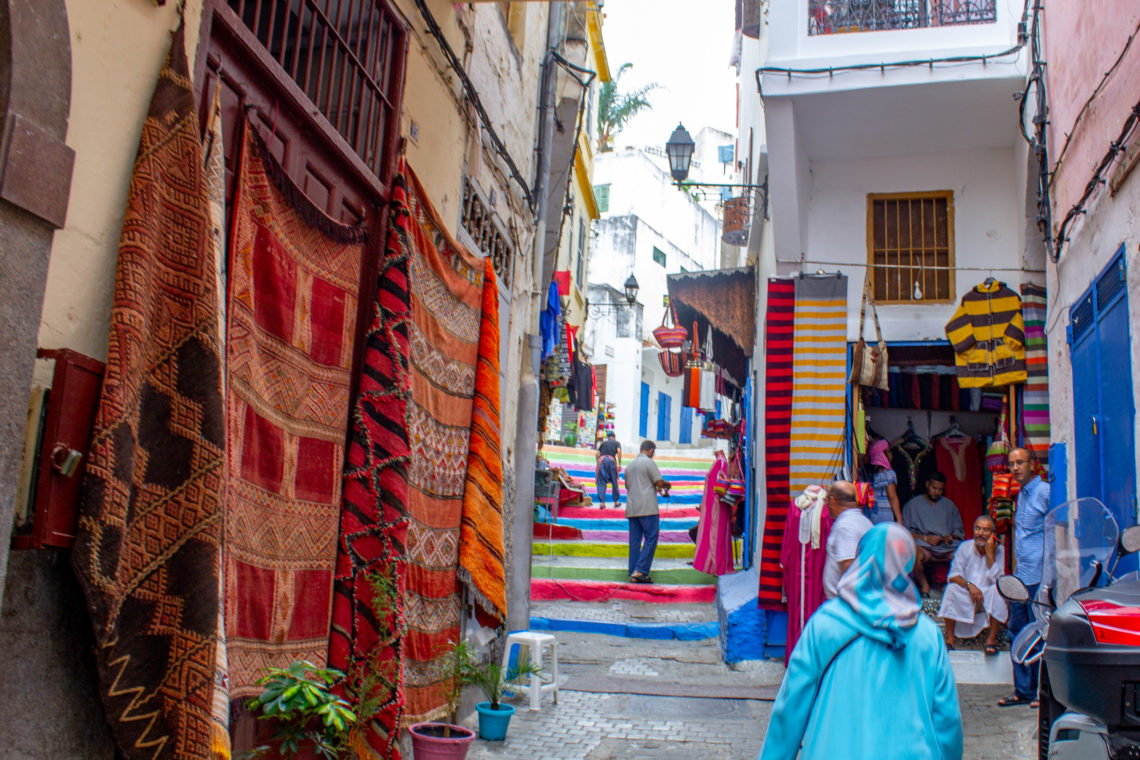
[(869, 677)]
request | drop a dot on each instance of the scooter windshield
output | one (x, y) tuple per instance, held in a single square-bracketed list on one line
[(1080, 537)]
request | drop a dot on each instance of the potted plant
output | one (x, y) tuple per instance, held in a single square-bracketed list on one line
[(310, 720), (490, 678), (444, 741)]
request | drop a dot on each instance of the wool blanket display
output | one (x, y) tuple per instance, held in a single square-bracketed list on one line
[(446, 285), (294, 279), (147, 553), (366, 641), (819, 380), (1035, 403), (777, 435)]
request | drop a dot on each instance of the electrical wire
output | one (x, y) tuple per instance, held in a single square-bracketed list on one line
[(950, 268), (473, 95), (831, 71)]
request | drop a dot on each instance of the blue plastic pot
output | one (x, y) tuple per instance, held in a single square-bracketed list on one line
[(493, 723)]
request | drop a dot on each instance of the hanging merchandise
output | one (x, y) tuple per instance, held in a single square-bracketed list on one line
[(997, 455), (1035, 400), (670, 334), (672, 362), (691, 394), (869, 365), (988, 336), (707, 395)]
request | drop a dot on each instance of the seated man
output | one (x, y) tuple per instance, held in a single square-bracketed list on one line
[(972, 599), (936, 525)]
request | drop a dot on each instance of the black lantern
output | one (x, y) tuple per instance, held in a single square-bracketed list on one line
[(680, 151), (631, 288)]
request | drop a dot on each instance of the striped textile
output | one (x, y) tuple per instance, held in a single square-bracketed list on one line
[(777, 431), (988, 334), (819, 380), (1035, 404)]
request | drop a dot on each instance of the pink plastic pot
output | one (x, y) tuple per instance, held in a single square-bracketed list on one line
[(430, 743)]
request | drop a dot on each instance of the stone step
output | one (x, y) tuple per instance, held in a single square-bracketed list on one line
[(608, 549)]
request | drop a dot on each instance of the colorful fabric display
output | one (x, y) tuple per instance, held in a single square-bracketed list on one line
[(1035, 404)]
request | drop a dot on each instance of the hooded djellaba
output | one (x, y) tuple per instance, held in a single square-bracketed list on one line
[(869, 677)]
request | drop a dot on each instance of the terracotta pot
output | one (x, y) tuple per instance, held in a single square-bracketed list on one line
[(429, 741)]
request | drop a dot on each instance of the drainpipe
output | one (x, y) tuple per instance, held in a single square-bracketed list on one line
[(522, 526)]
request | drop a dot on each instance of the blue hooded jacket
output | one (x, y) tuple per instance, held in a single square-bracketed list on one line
[(891, 692)]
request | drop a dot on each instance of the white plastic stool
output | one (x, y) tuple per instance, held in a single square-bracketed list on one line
[(542, 683)]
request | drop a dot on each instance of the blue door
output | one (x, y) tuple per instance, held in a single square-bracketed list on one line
[(686, 435), (664, 415), (1104, 417), (643, 419)]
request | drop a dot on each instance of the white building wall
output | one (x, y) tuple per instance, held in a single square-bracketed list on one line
[(645, 212), (988, 228)]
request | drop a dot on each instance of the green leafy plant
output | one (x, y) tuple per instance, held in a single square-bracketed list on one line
[(298, 699), (615, 109), (488, 676)]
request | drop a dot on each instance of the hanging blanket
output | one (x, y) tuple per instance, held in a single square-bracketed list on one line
[(819, 380), (777, 433), (1035, 406), (148, 548), (481, 531), (446, 286), (368, 610), (294, 278)]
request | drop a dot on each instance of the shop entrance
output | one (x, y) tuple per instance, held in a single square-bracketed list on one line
[(932, 425)]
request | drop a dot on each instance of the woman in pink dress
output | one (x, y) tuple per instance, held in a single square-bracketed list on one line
[(714, 530)]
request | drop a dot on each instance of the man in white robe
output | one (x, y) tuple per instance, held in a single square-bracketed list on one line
[(971, 600)]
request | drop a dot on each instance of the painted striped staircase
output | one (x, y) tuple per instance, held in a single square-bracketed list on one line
[(583, 555)]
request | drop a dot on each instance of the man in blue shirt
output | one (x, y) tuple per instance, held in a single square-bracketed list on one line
[(1028, 557)]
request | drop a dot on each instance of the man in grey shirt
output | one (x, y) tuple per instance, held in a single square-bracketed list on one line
[(643, 482), (936, 525), (847, 528)]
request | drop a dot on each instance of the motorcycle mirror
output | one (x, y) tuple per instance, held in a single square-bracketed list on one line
[(1011, 587), (1130, 539)]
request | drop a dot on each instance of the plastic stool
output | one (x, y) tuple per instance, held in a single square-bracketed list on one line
[(540, 683)]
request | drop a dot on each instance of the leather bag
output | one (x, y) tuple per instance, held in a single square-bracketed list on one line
[(869, 363)]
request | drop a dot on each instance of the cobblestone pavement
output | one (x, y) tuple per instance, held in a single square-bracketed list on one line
[(584, 726)]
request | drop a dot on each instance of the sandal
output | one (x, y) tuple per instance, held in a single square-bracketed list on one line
[(1034, 705), (1013, 699), (991, 650)]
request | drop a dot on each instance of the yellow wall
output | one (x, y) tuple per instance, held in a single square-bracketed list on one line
[(117, 49)]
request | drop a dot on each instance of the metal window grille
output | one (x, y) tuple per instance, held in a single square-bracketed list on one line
[(910, 241), (343, 54), (480, 225), (581, 252), (836, 16)]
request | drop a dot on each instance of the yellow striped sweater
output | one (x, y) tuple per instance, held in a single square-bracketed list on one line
[(988, 337)]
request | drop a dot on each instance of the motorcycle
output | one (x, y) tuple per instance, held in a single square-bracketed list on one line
[(1086, 634)]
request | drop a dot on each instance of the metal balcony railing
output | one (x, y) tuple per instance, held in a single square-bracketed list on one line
[(839, 16)]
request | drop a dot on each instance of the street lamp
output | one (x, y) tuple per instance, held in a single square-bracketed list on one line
[(679, 149), (630, 286)]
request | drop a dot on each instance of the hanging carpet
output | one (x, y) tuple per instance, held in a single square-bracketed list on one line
[(777, 434), (1035, 405), (147, 553), (366, 640), (447, 296), (819, 380), (294, 280)]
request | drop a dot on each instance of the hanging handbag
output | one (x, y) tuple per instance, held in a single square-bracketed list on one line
[(869, 364), (736, 487), (672, 362), (670, 334)]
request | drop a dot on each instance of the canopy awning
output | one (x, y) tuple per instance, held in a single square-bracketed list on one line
[(726, 300)]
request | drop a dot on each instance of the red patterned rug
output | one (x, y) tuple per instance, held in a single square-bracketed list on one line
[(148, 549), (294, 281), (368, 610)]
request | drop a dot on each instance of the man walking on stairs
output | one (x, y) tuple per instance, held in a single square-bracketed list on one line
[(607, 469), (643, 481)]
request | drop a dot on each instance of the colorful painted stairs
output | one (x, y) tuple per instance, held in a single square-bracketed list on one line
[(583, 555)]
